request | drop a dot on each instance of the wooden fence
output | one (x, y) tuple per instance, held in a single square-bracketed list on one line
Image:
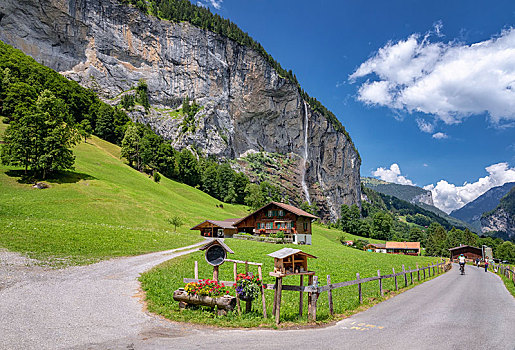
[(505, 270), (315, 290)]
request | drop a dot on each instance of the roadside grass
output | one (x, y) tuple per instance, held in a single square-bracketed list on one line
[(334, 259), (510, 285), (102, 209)]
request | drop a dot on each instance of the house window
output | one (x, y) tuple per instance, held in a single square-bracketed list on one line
[(305, 226), (281, 213), (269, 225), (269, 213)]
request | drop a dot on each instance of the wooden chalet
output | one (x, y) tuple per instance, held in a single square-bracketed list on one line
[(470, 252), (406, 248), (278, 217), (217, 228), (375, 247)]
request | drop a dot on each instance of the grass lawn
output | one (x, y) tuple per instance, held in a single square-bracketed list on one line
[(510, 285), (102, 209), (334, 259)]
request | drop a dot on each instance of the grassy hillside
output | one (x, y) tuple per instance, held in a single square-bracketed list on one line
[(334, 259), (102, 209)]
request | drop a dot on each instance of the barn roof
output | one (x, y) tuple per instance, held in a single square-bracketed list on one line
[(464, 246), (377, 245), (286, 252), (287, 207), (402, 245), (228, 223), (216, 241)]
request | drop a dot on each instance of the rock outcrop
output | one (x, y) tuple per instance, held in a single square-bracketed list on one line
[(246, 104)]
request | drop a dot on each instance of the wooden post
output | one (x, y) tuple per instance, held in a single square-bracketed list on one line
[(418, 273), (433, 270), (279, 295), (429, 269), (359, 289), (330, 296), (395, 278), (248, 306), (314, 297), (196, 270), (310, 295), (260, 275), (274, 307), (235, 274), (301, 301), (424, 271), (405, 276), (411, 274), (215, 273), (380, 282)]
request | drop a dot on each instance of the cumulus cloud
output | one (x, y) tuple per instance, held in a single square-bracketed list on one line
[(450, 81), (440, 135), (449, 197), (217, 4), (392, 175)]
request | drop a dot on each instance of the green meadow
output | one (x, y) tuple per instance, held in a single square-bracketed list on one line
[(334, 259)]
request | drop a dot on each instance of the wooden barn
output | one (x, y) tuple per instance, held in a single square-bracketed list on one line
[(278, 217), (406, 248), (471, 253), (217, 228)]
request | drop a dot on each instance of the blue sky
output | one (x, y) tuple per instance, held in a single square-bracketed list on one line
[(398, 76)]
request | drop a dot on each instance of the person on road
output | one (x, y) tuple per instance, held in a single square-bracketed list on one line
[(486, 264), (477, 262), (462, 263)]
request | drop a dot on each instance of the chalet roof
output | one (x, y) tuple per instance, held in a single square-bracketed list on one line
[(216, 241), (402, 245), (377, 245), (286, 252), (228, 223), (287, 207), (465, 246)]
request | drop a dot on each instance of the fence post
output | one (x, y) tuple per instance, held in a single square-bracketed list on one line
[(380, 282), (235, 273), (418, 273), (433, 270), (196, 270), (359, 289), (330, 295), (424, 272), (395, 278), (260, 273), (411, 274), (429, 269), (279, 292), (314, 299), (301, 301), (405, 276)]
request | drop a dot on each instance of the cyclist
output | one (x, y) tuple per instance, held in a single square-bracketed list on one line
[(462, 263)]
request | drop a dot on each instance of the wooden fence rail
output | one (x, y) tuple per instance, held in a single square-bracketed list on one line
[(315, 290), (506, 271)]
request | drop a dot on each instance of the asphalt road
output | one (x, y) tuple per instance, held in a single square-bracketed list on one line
[(97, 307)]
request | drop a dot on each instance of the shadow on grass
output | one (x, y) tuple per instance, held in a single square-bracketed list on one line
[(59, 177)]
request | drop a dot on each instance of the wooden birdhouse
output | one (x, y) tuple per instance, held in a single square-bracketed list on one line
[(288, 261)]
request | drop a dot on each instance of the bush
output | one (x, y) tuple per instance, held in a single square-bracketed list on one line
[(157, 177), (280, 235), (360, 244)]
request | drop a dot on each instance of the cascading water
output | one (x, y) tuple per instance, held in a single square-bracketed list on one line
[(303, 181)]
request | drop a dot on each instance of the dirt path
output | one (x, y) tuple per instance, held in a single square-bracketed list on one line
[(74, 307)]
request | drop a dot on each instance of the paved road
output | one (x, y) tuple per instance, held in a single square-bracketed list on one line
[(449, 312)]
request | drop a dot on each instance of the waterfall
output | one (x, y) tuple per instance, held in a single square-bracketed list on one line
[(303, 181)]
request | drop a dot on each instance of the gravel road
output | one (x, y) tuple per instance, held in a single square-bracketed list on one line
[(98, 307)]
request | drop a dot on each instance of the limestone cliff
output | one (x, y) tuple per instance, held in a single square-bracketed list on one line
[(246, 104)]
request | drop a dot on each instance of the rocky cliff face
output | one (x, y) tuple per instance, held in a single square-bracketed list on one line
[(500, 221), (246, 105)]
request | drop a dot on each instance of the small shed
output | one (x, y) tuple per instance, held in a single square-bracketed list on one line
[(289, 261), (470, 252), (375, 247), (216, 228)]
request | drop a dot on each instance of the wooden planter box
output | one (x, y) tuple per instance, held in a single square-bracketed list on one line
[(223, 304)]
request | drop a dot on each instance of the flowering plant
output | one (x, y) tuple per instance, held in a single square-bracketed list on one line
[(206, 287), (247, 286)]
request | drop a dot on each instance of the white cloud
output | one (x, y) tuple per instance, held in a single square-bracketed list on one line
[(440, 135), (450, 81), (392, 175), (425, 126), (449, 197), (217, 4)]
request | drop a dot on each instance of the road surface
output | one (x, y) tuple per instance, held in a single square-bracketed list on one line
[(97, 307)]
